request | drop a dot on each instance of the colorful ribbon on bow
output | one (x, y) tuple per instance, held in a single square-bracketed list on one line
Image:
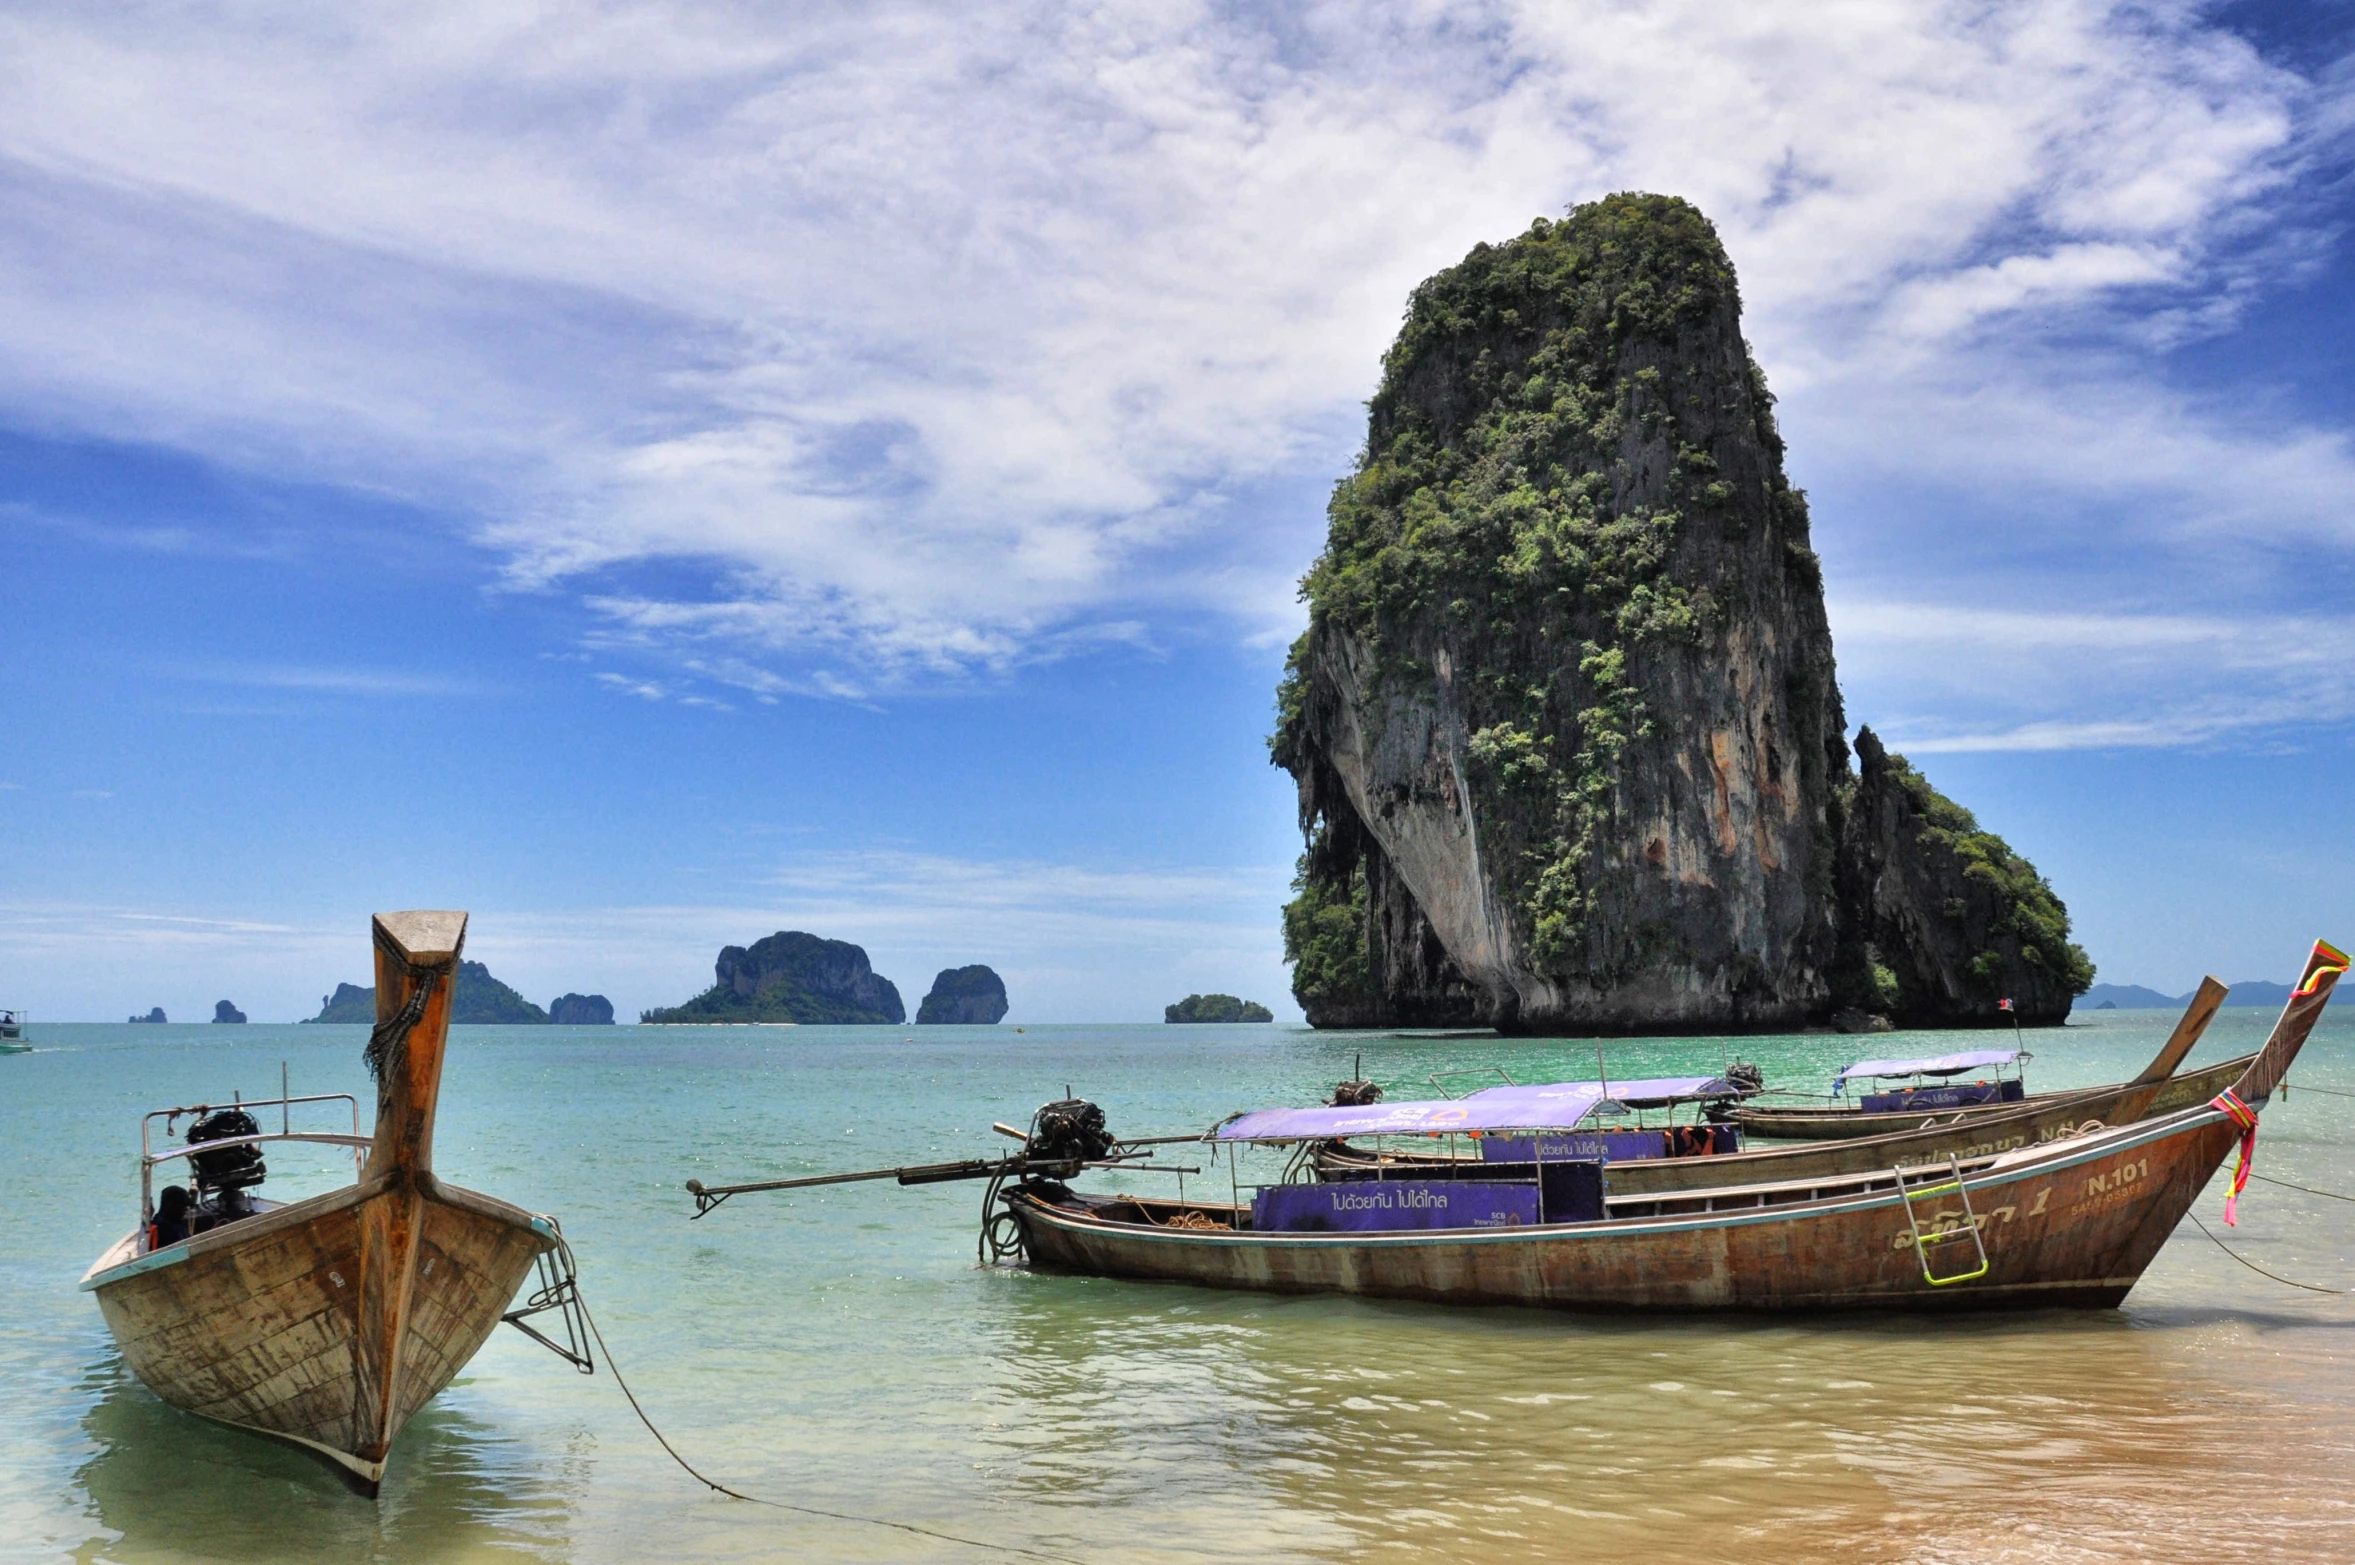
[(2325, 958), (2245, 1117)]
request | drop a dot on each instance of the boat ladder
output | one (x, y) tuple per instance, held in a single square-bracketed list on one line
[(1969, 1229)]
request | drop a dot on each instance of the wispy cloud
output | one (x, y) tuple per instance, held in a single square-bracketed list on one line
[(331, 681), (931, 335), (2069, 679)]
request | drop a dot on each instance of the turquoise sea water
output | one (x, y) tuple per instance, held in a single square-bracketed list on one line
[(840, 1349)]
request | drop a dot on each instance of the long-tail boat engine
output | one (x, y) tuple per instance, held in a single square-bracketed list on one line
[(223, 1175)]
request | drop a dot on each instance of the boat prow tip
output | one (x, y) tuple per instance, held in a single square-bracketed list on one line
[(425, 934)]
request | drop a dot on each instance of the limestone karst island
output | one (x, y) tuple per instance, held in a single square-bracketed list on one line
[(1569, 745)]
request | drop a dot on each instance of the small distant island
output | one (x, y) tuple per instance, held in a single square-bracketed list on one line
[(224, 1012), (1216, 1008), (2134, 997), (964, 996), (792, 976), (156, 1015), (581, 1010), (479, 1000)]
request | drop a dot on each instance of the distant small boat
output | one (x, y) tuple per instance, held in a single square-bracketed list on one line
[(1903, 1108), (1916, 1139), (12, 1033), (328, 1322)]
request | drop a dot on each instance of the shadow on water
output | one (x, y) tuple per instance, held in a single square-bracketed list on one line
[(172, 1486), (1330, 1426)]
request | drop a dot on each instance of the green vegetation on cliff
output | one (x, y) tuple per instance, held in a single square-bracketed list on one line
[(1487, 510), (2027, 916), (1333, 974)]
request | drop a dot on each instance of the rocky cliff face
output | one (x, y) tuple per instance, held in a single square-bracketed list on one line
[(792, 977), (964, 996), (1565, 726)]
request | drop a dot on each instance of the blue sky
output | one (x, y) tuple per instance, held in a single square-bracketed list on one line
[(658, 474)]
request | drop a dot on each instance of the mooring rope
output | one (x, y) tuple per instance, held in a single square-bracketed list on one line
[(781, 1505), (2309, 1189), (2328, 1092), (2261, 1271)]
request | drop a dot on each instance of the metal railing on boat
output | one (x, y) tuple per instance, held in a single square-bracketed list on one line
[(149, 1159)]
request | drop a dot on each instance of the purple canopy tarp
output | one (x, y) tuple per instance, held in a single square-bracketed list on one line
[(1938, 1065), (1549, 1106)]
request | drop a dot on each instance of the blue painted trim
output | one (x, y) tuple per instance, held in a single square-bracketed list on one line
[(170, 1255)]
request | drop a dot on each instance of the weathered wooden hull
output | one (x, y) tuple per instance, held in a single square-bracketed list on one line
[(328, 1322), (1966, 1135), (2073, 1224)]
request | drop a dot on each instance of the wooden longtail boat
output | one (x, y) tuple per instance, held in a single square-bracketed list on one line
[(1823, 1123), (2071, 1222), (328, 1322), (1931, 1138)]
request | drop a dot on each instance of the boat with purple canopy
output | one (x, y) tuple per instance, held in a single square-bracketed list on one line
[(1538, 1153), (2070, 1222), (1929, 1086)]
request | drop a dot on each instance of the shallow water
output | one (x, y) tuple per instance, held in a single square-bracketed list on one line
[(840, 1350)]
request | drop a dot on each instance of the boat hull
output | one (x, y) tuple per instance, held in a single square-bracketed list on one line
[(2071, 1225), (328, 1322)]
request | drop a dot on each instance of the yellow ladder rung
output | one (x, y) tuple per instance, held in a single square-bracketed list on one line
[(1968, 1228)]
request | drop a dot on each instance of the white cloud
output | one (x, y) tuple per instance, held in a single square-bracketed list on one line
[(935, 334), (2071, 679)]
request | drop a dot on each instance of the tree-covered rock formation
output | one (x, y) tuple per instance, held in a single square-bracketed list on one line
[(792, 977), (1944, 919), (969, 996), (349, 1003), (581, 1010), (1216, 1008), (477, 1000), (1568, 741), (226, 1013)]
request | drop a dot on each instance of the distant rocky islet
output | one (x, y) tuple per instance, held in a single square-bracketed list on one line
[(799, 979), (791, 976), (1216, 1008), (964, 996), (478, 1000)]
